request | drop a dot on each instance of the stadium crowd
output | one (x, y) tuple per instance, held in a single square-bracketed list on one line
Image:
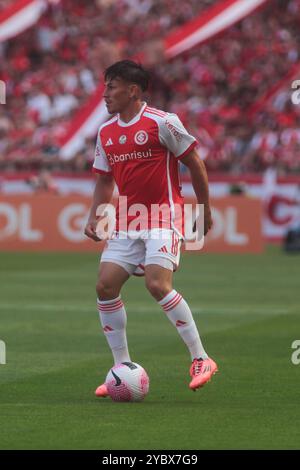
[(6, 4), (51, 69)]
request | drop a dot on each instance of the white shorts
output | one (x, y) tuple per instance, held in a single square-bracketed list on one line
[(138, 249)]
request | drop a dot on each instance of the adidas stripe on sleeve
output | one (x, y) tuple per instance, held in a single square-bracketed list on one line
[(101, 164)]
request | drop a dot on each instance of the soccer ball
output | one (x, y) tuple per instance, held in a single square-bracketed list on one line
[(127, 381)]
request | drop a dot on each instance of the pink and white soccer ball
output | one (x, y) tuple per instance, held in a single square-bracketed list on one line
[(127, 381)]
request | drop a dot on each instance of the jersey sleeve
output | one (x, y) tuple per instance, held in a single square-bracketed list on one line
[(101, 164), (175, 137)]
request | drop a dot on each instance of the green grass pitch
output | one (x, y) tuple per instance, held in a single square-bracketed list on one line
[(247, 308)]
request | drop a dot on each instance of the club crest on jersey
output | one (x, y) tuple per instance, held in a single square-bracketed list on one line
[(122, 139), (141, 137)]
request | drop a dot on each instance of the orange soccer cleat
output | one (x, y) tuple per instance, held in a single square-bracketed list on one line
[(201, 372), (101, 391)]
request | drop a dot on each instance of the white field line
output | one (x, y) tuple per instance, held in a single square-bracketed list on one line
[(145, 309)]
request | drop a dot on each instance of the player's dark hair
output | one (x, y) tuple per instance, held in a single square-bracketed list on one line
[(129, 71)]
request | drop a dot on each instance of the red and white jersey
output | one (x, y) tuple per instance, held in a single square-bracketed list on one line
[(143, 157)]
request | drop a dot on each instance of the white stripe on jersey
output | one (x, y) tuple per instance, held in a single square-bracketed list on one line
[(171, 202), (158, 119)]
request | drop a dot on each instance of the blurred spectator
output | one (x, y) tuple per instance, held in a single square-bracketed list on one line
[(43, 182), (51, 69), (237, 189)]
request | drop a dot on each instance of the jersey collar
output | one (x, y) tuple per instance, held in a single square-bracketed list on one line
[(133, 120)]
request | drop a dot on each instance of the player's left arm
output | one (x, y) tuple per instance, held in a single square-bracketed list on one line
[(200, 184)]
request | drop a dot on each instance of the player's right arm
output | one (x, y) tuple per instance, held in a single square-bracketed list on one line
[(102, 195), (103, 190)]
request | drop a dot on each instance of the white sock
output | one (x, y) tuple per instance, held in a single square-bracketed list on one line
[(181, 316), (113, 319)]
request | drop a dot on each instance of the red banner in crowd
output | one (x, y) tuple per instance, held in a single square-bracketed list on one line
[(208, 24), (56, 223), (20, 16), (85, 124)]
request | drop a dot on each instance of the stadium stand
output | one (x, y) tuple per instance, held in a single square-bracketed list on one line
[(51, 69)]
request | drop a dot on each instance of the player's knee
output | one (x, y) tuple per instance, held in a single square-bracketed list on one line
[(157, 288), (105, 290)]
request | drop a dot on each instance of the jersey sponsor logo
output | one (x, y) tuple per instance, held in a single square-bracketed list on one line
[(141, 137), (122, 139), (109, 142), (124, 157), (173, 131), (98, 151)]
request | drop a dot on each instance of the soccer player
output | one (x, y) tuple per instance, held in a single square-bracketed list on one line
[(139, 149)]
